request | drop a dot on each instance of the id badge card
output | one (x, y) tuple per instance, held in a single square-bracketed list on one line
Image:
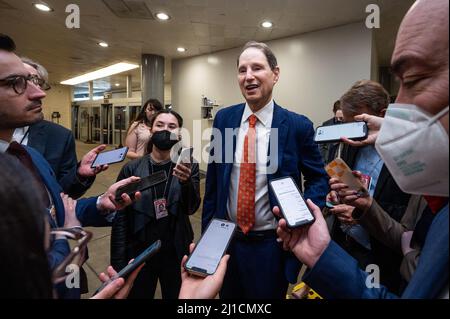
[(160, 208)]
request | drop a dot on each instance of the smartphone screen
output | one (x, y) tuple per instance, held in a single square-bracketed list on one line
[(333, 133), (110, 157), (185, 156), (141, 185), (292, 205), (139, 260), (213, 244)]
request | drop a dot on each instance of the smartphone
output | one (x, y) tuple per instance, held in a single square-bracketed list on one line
[(110, 157), (141, 185), (139, 260), (329, 204), (211, 247), (355, 131), (340, 170), (185, 156), (291, 202)]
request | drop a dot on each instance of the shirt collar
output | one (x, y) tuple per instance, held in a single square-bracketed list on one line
[(263, 114), (3, 146)]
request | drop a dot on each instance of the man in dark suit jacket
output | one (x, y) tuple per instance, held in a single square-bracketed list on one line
[(259, 268), (328, 150)]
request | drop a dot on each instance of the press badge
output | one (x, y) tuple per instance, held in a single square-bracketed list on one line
[(160, 208)]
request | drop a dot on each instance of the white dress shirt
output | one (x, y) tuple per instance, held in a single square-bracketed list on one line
[(264, 219), (20, 135)]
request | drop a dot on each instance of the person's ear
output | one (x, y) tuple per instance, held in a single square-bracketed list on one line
[(276, 72), (383, 112)]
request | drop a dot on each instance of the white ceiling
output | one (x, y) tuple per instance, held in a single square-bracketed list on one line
[(202, 26)]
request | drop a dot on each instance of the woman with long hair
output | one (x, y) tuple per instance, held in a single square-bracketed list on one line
[(161, 213), (138, 133)]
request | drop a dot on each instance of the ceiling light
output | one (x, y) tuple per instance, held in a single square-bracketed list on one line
[(162, 16), (110, 70), (267, 24), (42, 6), (103, 44), (180, 49), (117, 84)]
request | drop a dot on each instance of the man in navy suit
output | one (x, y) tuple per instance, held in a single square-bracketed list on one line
[(21, 105), (420, 60), (272, 142), (57, 145)]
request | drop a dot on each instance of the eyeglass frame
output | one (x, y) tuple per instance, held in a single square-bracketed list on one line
[(82, 238), (12, 81)]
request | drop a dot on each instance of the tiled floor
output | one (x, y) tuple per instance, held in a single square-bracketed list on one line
[(99, 247)]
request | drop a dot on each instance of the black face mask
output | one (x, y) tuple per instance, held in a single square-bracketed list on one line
[(164, 140)]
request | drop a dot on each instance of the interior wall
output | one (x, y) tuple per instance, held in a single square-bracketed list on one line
[(316, 69), (58, 99)]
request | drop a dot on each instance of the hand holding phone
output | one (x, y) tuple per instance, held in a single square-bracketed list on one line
[(139, 260), (109, 157), (332, 133), (291, 202), (339, 169), (185, 156), (141, 185), (211, 247)]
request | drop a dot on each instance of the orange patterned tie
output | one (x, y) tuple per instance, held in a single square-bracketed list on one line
[(247, 180)]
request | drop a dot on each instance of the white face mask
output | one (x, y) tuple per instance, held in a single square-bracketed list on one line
[(414, 147)]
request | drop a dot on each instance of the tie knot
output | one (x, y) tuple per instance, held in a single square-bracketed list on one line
[(252, 120), (15, 149)]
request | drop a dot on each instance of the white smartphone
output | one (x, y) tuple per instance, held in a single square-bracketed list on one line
[(291, 202), (332, 133), (110, 157), (185, 155), (211, 247)]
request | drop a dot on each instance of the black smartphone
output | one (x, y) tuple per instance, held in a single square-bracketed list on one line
[(139, 260), (291, 202), (141, 185), (110, 157), (332, 133), (211, 247)]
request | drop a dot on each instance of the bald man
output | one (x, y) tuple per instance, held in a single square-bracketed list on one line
[(420, 61)]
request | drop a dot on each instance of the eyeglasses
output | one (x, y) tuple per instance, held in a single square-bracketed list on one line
[(78, 253), (19, 83)]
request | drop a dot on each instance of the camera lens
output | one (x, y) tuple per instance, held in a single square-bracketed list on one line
[(222, 224)]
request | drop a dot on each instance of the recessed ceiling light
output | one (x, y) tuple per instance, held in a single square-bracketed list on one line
[(42, 6), (180, 49), (117, 84), (162, 16), (103, 44), (267, 24), (102, 73)]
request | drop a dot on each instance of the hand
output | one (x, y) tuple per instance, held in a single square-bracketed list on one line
[(332, 197), (183, 172), (351, 197), (195, 287), (107, 200), (344, 213), (85, 170), (373, 124), (307, 243), (70, 219), (406, 242), (118, 288)]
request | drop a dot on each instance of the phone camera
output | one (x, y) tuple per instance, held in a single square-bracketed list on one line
[(222, 225)]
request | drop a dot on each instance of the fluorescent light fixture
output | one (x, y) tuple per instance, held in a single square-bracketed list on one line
[(181, 49), (267, 24), (103, 44), (117, 84), (162, 16), (102, 73), (42, 6)]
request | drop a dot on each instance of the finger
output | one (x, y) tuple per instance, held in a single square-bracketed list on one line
[(350, 142), (126, 181), (110, 290), (99, 149), (338, 186), (315, 209), (103, 277), (111, 272), (123, 293), (222, 268), (191, 248), (276, 211), (184, 273)]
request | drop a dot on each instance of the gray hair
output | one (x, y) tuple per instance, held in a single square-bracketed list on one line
[(42, 72), (264, 48)]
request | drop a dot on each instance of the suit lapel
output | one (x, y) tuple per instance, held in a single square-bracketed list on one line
[(382, 180), (280, 123)]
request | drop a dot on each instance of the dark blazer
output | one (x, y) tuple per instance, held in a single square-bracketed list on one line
[(393, 201), (182, 200), (57, 145), (337, 275), (298, 156), (86, 212)]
